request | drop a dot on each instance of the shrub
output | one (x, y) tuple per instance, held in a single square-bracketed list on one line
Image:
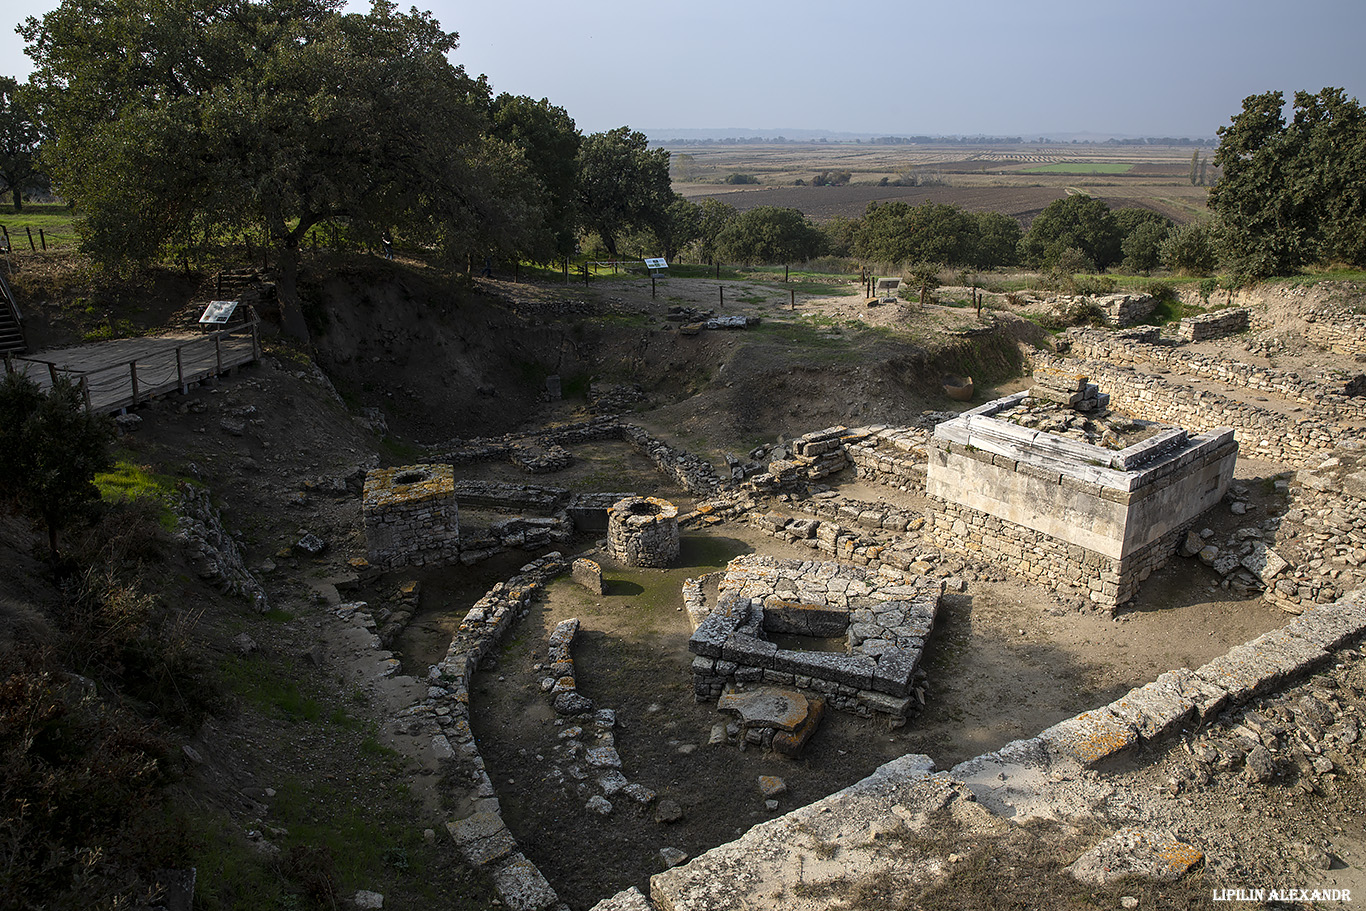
[(50, 450), (741, 178)]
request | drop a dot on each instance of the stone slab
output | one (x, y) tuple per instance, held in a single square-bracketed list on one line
[(522, 887), (812, 846), (1330, 626), (767, 706)]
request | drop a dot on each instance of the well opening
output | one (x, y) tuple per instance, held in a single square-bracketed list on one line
[(413, 476)]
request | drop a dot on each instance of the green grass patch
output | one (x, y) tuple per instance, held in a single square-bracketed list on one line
[(265, 689), (1080, 167), (128, 481), (57, 223)]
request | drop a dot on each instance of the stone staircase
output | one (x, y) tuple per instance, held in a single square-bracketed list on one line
[(11, 329)]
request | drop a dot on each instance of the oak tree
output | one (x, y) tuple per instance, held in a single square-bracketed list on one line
[(274, 116)]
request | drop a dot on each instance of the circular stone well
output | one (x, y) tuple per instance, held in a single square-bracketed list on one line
[(643, 531)]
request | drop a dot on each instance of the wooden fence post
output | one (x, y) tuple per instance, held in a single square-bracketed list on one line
[(133, 377), (52, 372), (43, 239), (85, 391), (31, 244), (255, 341), (218, 352), (179, 371)]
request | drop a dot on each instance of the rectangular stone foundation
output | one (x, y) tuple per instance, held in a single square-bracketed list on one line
[(1060, 512), (1043, 559)]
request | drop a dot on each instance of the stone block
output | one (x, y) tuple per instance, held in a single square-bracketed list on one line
[(1091, 737)]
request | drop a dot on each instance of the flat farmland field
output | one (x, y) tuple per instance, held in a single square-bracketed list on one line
[(1019, 181)]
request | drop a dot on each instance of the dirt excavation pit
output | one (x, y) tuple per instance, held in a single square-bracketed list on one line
[(650, 775), (999, 667)]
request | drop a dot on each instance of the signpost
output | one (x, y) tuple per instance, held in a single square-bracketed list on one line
[(217, 313), (656, 265)]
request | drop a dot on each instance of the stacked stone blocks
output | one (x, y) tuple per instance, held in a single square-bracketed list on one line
[(411, 516), (1056, 511), (643, 531), (884, 617)]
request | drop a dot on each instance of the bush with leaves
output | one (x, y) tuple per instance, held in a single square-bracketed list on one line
[(1076, 222), (1190, 249), (770, 234), (50, 450)]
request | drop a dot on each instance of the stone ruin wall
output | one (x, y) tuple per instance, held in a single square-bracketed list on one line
[(1213, 325), (1036, 506), (1337, 331), (411, 516), (1260, 433), (1330, 397)]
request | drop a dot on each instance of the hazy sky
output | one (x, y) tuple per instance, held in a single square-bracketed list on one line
[(1004, 67)]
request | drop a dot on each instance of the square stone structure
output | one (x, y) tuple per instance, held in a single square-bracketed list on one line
[(1056, 511), (411, 517), (884, 617)]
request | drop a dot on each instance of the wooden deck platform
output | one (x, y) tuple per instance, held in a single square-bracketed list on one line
[(114, 375)]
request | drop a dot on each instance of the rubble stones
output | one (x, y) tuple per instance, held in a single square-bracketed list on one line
[(212, 552)]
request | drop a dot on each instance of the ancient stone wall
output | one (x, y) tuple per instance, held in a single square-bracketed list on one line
[(411, 516), (892, 457), (1260, 433), (1213, 325), (1330, 396), (1337, 331), (1126, 309)]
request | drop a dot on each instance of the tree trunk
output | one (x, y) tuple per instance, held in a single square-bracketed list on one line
[(291, 314), (18, 199)]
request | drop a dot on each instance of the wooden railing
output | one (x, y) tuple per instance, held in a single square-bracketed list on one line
[(158, 366)]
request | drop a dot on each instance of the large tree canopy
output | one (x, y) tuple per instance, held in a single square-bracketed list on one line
[(623, 185), (18, 143), (173, 119), (546, 134), (770, 234), (1076, 222), (1292, 194)]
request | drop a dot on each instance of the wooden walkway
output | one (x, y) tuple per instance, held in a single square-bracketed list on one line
[(114, 375)]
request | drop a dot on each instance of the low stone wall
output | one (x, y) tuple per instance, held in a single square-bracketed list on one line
[(1337, 331), (1126, 309), (510, 497), (694, 474), (884, 617), (1260, 433), (892, 457), (516, 532), (1331, 397), (1213, 325), (411, 516)]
